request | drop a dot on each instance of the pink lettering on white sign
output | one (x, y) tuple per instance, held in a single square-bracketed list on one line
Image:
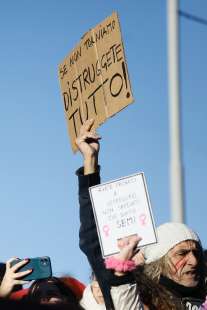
[(106, 230), (142, 219)]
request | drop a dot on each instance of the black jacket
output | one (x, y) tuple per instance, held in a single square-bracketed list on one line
[(89, 242)]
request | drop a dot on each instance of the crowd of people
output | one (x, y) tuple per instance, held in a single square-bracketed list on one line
[(168, 275)]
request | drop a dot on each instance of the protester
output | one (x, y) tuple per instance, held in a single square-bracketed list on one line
[(92, 296), (110, 283), (176, 263), (25, 299), (52, 291), (173, 274), (75, 285), (65, 291)]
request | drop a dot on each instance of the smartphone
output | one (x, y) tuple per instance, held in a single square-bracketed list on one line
[(41, 267)]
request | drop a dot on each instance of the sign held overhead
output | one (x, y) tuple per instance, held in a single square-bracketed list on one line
[(94, 78)]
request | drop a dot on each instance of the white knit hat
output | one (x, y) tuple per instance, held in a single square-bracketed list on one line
[(168, 235)]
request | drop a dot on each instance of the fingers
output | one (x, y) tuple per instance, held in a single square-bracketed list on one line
[(86, 126), (22, 274), (11, 260), (87, 140), (18, 265), (128, 250), (138, 258), (8, 263), (120, 243), (86, 130), (87, 135), (12, 270), (130, 241), (127, 247), (134, 240)]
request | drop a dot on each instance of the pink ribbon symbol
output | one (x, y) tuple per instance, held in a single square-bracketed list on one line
[(106, 230), (142, 219)]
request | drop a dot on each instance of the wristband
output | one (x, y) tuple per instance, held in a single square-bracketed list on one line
[(119, 265)]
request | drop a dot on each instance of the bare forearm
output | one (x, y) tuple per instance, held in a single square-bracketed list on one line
[(90, 164)]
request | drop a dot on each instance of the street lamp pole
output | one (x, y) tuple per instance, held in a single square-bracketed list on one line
[(176, 175)]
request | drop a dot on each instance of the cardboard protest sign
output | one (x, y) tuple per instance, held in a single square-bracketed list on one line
[(94, 78), (121, 209)]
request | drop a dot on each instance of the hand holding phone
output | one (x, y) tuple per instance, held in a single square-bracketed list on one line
[(40, 268), (12, 277)]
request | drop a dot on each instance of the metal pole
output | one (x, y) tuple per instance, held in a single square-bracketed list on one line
[(176, 177)]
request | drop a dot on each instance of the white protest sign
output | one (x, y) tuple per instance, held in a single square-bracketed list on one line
[(122, 208)]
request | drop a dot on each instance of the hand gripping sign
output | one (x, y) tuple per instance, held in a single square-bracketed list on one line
[(94, 78), (121, 209)]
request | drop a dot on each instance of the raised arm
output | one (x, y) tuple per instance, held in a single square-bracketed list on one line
[(88, 144)]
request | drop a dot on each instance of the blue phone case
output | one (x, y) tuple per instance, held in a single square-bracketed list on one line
[(41, 267)]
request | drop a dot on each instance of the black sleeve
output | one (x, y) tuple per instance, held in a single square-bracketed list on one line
[(89, 242)]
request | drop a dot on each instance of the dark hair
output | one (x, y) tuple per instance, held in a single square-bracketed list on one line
[(6, 304), (2, 270), (51, 287), (92, 276), (205, 256), (154, 295)]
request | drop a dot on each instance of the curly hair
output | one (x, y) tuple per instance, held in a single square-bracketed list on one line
[(155, 269), (154, 295)]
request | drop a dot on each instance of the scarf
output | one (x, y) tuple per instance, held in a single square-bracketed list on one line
[(182, 291), (191, 297)]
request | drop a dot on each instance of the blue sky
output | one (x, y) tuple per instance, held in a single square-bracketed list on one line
[(38, 186)]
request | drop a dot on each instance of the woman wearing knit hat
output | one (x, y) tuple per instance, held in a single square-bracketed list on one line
[(172, 276), (176, 263)]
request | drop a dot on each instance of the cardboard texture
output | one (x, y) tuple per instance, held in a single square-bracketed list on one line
[(94, 78)]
